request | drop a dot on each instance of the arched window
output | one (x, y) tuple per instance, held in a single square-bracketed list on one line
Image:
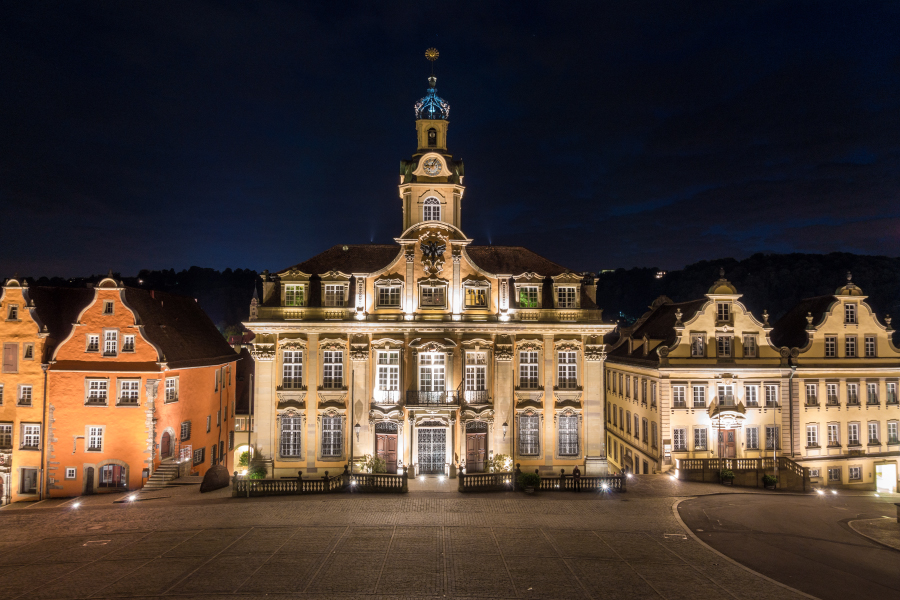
[(432, 210)]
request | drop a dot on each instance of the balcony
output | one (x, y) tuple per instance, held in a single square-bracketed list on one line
[(387, 397), (445, 398), (476, 397)]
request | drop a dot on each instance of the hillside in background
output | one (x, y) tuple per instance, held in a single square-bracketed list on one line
[(773, 282)]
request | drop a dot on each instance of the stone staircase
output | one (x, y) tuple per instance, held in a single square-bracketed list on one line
[(162, 477)]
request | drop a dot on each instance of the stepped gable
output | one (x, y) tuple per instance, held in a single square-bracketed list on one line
[(180, 328), (657, 324), (58, 308), (790, 330)]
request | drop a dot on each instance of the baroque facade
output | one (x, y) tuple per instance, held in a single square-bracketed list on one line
[(432, 353), (707, 379)]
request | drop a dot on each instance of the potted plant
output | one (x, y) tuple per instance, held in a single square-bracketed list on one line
[(727, 476), (769, 481), (529, 481)]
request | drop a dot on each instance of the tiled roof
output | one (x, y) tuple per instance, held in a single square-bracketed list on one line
[(512, 260), (659, 324), (186, 336), (790, 330), (58, 308), (358, 258)]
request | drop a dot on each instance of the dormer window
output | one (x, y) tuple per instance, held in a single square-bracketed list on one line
[(750, 346), (476, 297), (294, 295), (850, 314), (389, 296), (333, 295), (433, 296), (723, 311), (566, 297), (723, 343), (431, 211), (528, 296), (698, 345)]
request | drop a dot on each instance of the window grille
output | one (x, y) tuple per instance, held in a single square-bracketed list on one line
[(292, 369), (772, 442), (753, 438), (700, 438), (389, 295), (291, 431), (568, 435), (529, 435), (568, 370), (528, 370), (199, 456), (95, 439), (332, 436), (185, 431), (334, 295), (679, 439), (333, 369), (566, 297), (528, 296), (293, 295)]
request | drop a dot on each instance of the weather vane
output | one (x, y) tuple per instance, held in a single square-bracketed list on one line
[(432, 55)]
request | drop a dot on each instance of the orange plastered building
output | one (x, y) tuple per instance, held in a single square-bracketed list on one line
[(138, 377)]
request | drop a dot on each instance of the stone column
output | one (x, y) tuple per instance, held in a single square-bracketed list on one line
[(594, 411)]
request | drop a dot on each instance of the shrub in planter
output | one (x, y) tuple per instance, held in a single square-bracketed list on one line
[(529, 480), (727, 476), (374, 464), (257, 472), (769, 481)]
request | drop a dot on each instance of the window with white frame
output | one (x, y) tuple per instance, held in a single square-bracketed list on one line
[(850, 346), (476, 376), (753, 438), (294, 294), (771, 396), (831, 394), (171, 389), (292, 369), (699, 396), (700, 438), (854, 473), (678, 399), (834, 473), (568, 435), (871, 393), (6, 435), (813, 472), (698, 345), (726, 395), (433, 296), (621, 384), (70, 473), (869, 346), (476, 297), (528, 296), (850, 313), (853, 434), (852, 393), (568, 370), (432, 371), (874, 438), (95, 439), (830, 346), (129, 391), (108, 307), (333, 369), (529, 435), (679, 439), (110, 343), (893, 437), (387, 372), (31, 436), (93, 343), (723, 311), (24, 395), (127, 343), (291, 431), (812, 436), (389, 296), (97, 391), (723, 343), (528, 370), (431, 210), (751, 395), (332, 436), (565, 297), (772, 441), (333, 295), (812, 398), (891, 396), (185, 431), (834, 434), (751, 348)]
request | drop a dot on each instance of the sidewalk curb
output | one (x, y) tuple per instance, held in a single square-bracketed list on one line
[(728, 558), (868, 537)]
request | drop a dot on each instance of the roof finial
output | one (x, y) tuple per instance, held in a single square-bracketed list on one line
[(110, 274), (721, 272), (432, 55), (849, 276)]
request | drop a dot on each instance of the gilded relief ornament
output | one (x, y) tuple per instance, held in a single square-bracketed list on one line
[(433, 247)]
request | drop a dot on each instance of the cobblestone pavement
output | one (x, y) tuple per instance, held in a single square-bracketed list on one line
[(345, 546)]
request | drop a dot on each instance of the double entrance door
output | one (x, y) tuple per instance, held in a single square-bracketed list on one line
[(727, 443), (386, 448), (476, 446), (432, 451)]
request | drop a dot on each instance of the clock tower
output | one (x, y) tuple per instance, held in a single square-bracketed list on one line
[(431, 183)]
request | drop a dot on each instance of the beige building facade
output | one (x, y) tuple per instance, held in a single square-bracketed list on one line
[(432, 353)]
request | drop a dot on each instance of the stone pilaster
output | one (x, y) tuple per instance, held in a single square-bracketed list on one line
[(594, 411)]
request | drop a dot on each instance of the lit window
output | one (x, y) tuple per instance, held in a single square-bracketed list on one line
[(332, 436), (292, 369), (98, 391), (830, 346), (333, 369), (528, 370), (433, 296), (127, 343), (431, 371), (291, 430), (388, 373), (293, 295), (529, 435), (698, 345), (171, 389), (476, 297), (566, 297), (850, 313), (334, 295), (723, 311), (431, 210), (113, 476), (568, 370), (476, 377), (389, 296), (93, 343), (568, 435), (870, 346), (110, 343), (95, 439), (528, 296)]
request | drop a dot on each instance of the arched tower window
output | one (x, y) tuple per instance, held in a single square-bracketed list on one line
[(432, 210), (432, 138)]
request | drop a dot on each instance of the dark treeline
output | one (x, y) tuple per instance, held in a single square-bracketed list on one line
[(773, 282), (224, 295)]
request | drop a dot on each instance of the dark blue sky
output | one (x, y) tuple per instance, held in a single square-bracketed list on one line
[(602, 135)]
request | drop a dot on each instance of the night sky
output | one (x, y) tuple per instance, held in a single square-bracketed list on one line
[(599, 134)]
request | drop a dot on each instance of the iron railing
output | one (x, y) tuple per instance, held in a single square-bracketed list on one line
[(445, 398)]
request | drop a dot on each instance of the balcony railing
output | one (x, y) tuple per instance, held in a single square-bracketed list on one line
[(445, 398), (567, 383), (476, 397), (387, 396)]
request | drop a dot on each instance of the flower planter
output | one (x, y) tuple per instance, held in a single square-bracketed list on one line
[(529, 489), (728, 482), (770, 486)]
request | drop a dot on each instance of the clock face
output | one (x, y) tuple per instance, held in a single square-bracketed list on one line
[(432, 166)]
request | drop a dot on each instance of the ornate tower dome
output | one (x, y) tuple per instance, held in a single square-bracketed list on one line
[(432, 106)]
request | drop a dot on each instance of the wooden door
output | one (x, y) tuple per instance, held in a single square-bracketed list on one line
[(165, 445), (89, 480), (476, 449), (727, 444), (386, 448)]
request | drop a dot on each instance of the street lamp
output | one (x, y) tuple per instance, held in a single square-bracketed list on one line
[(356, 428), (505, 429)]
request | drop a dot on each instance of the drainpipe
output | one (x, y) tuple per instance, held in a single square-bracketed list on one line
[(350, 425), (44, 368)]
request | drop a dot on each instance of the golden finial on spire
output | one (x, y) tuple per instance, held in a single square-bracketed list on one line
[(432, 54)]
